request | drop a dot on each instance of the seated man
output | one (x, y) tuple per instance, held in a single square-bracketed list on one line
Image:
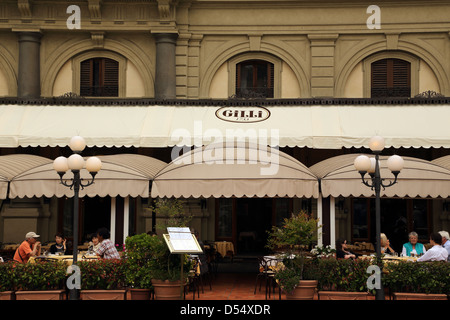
[(30, 247), (437, 252), (106, 248)]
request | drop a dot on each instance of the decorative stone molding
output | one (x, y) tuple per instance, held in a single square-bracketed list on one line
[(98, 39), (24, 8), (95, 9), (164, 9)]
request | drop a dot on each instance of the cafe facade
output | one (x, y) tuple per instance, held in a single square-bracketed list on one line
[(310, 81)]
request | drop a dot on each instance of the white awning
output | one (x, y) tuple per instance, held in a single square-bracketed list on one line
[(235, 171), (121, 175), (419, 178), (314, 126)]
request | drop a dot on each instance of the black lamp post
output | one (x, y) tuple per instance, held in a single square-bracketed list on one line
[(365, 164), (75, 163)]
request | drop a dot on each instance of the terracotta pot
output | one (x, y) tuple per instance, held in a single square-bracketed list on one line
[(167, 290), (102, 294), (419, 296), (41, 295), (7, 295), (341, 295), (304, 291), (140, 294)]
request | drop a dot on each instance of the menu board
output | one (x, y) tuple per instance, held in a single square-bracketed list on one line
[(181, 240)]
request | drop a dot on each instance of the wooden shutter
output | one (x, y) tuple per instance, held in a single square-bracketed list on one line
[(99, 77), (86, 77), (111, 78), (391, 78)]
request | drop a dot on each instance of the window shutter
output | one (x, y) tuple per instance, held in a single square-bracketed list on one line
[(391, 78), (111, 78), (379, 74), (86, 77)]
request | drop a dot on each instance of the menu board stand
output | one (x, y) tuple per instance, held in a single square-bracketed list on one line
[(181, 241)]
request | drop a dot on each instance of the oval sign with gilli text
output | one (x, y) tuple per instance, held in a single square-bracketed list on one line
[(243, 114)]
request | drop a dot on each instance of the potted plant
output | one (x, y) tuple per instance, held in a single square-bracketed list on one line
[(44, 280), (102, 279), (418, 281), (138, 273), (166, 267), (295, 235), (341, 279), (7, 281)]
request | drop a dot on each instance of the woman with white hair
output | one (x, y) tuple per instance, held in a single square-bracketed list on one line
[(413, 247)]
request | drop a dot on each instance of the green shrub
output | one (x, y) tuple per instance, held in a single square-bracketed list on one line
[(102, 274), (139, 251), (7, 278), (41, 275), (343, 274), (418, 277)]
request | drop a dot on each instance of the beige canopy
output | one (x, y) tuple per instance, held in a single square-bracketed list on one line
[(442, 161), (121, 175), (314, 126), (419, 178), (225, 171), (13, 164)]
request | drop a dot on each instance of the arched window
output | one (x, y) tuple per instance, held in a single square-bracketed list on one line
[(390, 78), (99, 77), (255, 78)]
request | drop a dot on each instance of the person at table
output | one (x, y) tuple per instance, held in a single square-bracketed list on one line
[(342, 252), (60, 245), (106, 249), (30, 247), (436, 252), (445, 242), (413, 247), (385, 245), (94, 243)]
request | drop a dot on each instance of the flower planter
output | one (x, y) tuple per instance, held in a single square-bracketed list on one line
[(41, 295), (418, 296), (342, 295), (7, 295), (304, 291), (102, 294), (167, 290), (140, 294)]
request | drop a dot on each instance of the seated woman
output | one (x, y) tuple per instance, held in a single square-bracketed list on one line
[(413, 247), (342, 252), (385, 245), (60, 245), (94, 244)]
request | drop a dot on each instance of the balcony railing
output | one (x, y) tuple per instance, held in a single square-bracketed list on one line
[(99, 91), (256, 92), (395, 92)]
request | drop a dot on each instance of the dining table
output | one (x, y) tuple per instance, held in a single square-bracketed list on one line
[(223, 247), (66, 258)]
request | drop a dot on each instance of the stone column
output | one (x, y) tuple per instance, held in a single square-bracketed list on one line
[(29, 80), (165, 78)]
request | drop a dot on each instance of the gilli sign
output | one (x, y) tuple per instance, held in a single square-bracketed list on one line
[(243, 114)]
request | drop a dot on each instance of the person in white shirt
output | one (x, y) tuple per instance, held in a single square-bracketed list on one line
[(437, 252), (446, 242)]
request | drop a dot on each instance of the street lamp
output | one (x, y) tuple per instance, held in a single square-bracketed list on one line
[(75, 163), (363, 165)]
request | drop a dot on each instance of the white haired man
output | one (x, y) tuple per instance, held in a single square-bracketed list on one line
[(446, 242)]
